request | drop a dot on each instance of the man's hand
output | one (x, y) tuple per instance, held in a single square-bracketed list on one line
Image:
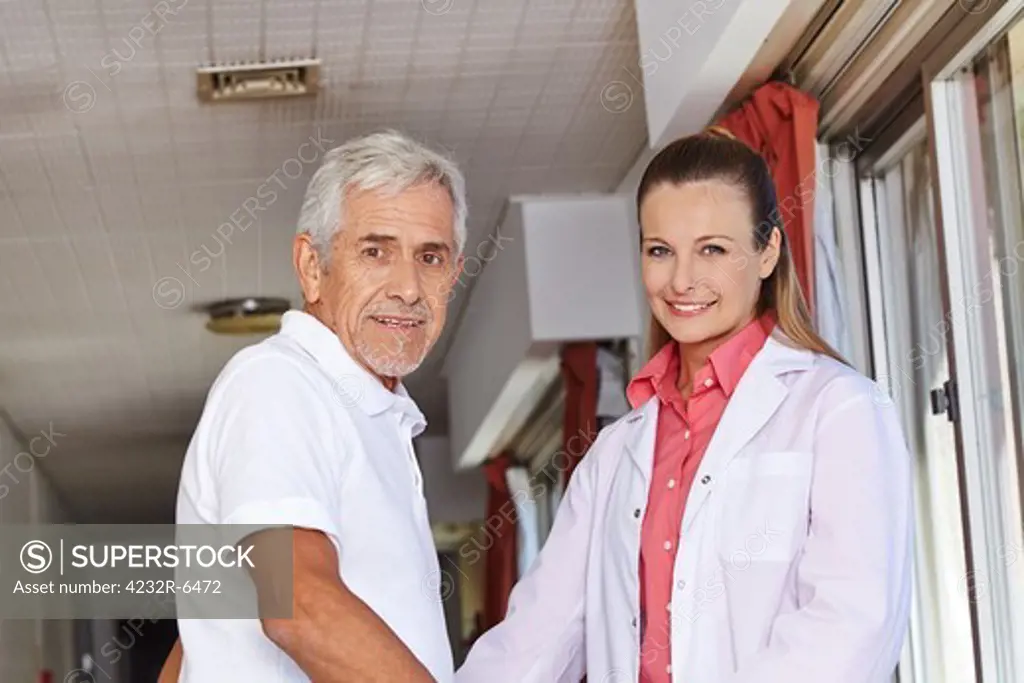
[(332, 635)]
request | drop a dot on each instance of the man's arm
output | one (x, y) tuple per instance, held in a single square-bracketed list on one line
[(332, 635), (280, 467)]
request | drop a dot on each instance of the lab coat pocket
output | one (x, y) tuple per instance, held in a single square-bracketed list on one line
[(764, 512)]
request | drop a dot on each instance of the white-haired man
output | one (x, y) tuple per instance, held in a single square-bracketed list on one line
[(312, 429)]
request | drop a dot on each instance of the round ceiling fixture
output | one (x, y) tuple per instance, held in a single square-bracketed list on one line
[(251, 315)]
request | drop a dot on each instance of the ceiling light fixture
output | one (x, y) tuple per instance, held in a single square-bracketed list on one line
[(251, 315)]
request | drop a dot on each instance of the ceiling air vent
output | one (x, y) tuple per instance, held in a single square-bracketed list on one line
[(228, 83)]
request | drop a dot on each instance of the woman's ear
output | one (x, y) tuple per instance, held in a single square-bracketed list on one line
[(770, 254)]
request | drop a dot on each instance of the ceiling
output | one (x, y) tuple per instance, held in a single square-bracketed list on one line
[(114, 181)]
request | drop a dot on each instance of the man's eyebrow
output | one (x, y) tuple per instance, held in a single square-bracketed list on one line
[(377, 237), (435, 246)]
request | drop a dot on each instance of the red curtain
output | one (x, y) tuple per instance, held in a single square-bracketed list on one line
[(500, 562), (579, 429), (781, 123)]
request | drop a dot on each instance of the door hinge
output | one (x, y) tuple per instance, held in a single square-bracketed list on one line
[(945, 400)]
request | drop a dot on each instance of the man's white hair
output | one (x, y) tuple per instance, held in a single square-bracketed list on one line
[(388, 161)]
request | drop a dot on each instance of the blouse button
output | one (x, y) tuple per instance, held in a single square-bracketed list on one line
[(686, 434), (671, 483), (708, 382), (668, 545)]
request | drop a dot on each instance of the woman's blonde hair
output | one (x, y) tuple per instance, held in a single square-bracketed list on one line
[(717, 155)]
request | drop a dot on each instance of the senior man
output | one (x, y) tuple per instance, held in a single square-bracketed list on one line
[(312, 429)]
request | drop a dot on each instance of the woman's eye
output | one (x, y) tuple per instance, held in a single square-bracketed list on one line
[(657, 251), (712, 250)]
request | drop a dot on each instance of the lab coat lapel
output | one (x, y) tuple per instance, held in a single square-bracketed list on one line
[(642, 426), (758, 395)]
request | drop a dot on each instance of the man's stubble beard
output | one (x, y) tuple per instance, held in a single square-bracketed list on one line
[(385, 360)]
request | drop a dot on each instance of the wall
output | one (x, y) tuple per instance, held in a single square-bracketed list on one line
[(452, 497), (627, 188), (691, 56), (27, 497), (487, 346), (564, 274)]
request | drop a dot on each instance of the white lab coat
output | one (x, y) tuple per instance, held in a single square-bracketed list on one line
[(795, 546)]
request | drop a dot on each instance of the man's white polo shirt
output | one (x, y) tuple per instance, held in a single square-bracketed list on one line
[(294, 432)]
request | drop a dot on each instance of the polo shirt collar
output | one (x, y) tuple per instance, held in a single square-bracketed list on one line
[(354, 385)]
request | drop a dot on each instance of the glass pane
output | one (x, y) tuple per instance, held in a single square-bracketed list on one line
[(941, 649), (997, 352)]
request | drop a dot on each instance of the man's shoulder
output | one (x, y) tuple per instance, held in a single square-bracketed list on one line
[(276, 364), (274, 381)]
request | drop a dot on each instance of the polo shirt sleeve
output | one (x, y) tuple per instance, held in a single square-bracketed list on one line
[(274, 459)]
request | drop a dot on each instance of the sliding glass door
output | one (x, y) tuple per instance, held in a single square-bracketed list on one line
[(909, 323), (977, 102)]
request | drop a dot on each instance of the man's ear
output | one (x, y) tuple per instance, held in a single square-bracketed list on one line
[(308, 267)]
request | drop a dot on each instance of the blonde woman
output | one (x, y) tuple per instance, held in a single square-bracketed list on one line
[(750, 520)]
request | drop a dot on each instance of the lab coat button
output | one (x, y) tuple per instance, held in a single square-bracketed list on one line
[(634, 622), (636, 513), (706, 479), (680, 584)]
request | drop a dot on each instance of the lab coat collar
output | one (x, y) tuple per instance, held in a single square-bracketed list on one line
[(758, 395)]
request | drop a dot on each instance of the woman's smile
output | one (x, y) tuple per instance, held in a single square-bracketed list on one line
[(690, 310)]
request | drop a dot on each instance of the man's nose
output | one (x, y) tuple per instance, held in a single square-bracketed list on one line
[(405, 282)]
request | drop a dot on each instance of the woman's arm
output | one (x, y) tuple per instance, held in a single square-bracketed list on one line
[(541, 639), (854, 577), (172, 667)]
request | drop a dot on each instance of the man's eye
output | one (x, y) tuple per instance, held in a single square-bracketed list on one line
[(433, 259), (372, 252)]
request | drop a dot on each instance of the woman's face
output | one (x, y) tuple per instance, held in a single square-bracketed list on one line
[(700, 268)]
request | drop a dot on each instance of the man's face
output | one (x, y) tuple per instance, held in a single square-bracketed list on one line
[(386, 286)]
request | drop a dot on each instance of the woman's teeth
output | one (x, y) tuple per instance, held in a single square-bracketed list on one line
[(692, 308)]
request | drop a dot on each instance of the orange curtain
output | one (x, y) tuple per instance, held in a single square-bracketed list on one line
[(781, 123), (579, 428), (501, 528)]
